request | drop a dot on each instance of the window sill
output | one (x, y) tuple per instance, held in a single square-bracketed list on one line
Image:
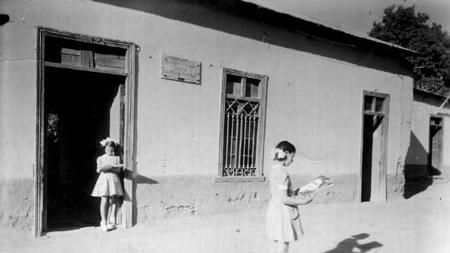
[(239, 179)]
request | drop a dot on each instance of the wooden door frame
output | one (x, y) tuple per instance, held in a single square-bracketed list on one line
[(129, 127), (384, 132)]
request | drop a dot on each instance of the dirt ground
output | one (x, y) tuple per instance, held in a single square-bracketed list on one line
[(419, 224)]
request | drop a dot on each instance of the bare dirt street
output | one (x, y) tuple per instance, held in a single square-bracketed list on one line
[(419, 224)]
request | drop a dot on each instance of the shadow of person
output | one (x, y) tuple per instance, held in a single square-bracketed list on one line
[(351, 243), (139, 179)]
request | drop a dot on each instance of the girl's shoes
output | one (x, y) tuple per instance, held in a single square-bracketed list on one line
[(106, 226), (103, 226), (110, 226)]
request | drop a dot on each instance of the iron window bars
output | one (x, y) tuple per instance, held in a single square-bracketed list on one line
[(242, 124)]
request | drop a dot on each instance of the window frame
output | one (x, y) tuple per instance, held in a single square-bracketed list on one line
[(260, 130)]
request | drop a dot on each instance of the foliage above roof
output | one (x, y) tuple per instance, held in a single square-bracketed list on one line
[(404, 27)]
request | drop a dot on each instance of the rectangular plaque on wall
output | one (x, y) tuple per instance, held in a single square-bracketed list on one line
[(178, 69)]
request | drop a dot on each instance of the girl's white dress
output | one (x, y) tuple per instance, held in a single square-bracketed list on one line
[(282, 221), (108, 183)]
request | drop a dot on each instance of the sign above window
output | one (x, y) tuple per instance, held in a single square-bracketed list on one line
[(178, 69)]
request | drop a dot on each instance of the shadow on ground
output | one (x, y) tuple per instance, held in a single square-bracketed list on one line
[(350, 244), (414, 186), (419, 171)]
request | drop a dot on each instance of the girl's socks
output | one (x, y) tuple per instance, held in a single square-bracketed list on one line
[(103, 226)]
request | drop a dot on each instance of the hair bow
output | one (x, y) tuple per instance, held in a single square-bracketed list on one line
[(103, 142), (278, 153)]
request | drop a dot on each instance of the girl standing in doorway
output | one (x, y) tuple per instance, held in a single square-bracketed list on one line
[(283, 219), (108, 185)]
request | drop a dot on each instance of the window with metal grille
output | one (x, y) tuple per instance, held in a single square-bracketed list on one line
[(242, 132)]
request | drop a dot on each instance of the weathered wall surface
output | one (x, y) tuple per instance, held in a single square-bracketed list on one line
[(17, 125), (166, 197), (17, 201), (314, 100)]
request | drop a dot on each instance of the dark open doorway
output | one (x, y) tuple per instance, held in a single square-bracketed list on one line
[(435, 146), (373, 171), (86, 91), (81, 108)]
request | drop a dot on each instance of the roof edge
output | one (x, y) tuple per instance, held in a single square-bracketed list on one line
[(430, 93), (355, 36)]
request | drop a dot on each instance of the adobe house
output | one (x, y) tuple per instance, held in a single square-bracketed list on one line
[(429, 142), (197, 93)]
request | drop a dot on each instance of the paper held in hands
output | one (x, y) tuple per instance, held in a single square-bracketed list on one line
[(316, 184)]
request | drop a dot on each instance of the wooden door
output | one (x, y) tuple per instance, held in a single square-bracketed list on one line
[(435, 145), (377, 182), (374, 147)]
